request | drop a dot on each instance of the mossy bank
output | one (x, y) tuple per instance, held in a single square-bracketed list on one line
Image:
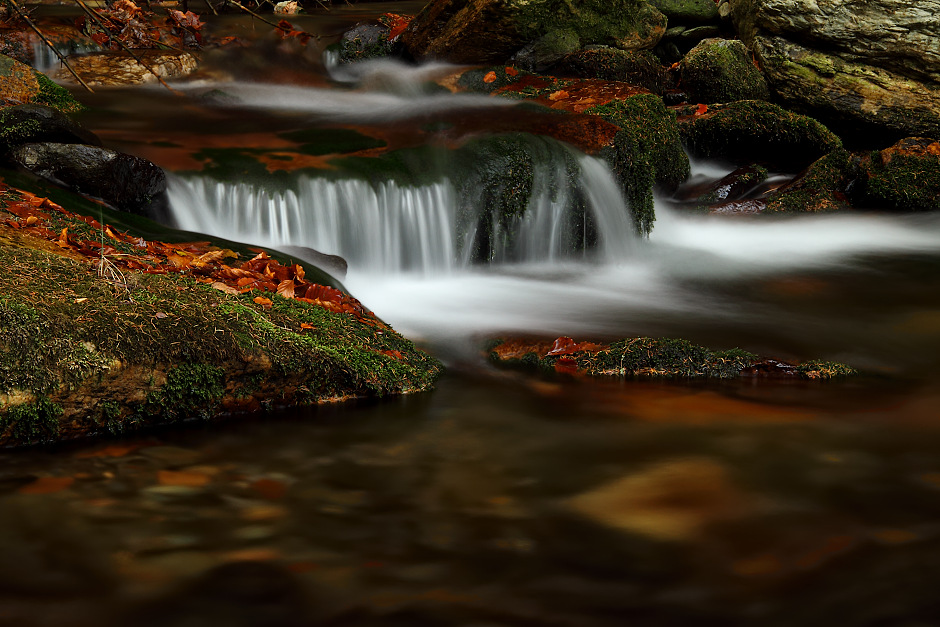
[(81, 355)]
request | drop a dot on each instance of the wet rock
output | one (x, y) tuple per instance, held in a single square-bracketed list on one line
[(673, 500), (124, 181), (334, 264), (720, 70), (30, 123), (364, 41), (752, 131), (641, 68), (825, 186), (119, 68), (492, 31), (20, 84), (735, 185), (873, 62)]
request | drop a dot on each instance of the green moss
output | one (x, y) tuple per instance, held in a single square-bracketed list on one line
[(15, 133), (663, 358), (32, 423), (904, 178), (192, 391), (720, 70), (593, 21), (753, 131), (647, 152), (55, 96)]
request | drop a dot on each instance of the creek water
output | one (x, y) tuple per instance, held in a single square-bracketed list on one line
[(499, 498)]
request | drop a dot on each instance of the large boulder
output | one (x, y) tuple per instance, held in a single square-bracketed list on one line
[(874, 63), (124, 181), (492, 31)]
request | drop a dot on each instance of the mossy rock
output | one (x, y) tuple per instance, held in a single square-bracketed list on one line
[(363, 42), (904, 177), (651, 357), (647, 152), (82, 355), (492, 31), (754, 131), (641, 68), (824, 186), (720, 70), (20, 84)]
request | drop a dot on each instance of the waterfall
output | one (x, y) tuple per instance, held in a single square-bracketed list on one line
[(436, 227)]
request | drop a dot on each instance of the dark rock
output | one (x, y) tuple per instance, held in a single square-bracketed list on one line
[(333, 264), (823, 186), (364, 41), (30, 124), (688, 11), (720, 70), (735, 185), (872, 62), (124, 181), (492, 31), (753, 131), (641, 68)]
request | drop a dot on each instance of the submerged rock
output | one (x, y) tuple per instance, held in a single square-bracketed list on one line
[(492, 31), (720, 70), (873, 63), (124, 181), (119, 68)]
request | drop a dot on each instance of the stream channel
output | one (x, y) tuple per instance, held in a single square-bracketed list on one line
[(500, 499)]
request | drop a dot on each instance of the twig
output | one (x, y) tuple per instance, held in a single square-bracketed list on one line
[(97, 19), (12, 4), (266, 21)]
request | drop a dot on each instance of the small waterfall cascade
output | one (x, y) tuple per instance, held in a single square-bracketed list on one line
[(46, 61), (573, 209)]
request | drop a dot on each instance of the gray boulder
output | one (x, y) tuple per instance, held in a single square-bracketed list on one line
[(868, 63)]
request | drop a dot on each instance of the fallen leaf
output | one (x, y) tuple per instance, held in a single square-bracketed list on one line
[(31, 220), (490, 77), (80, 300), (222, 287), (285, 289), (511, 71), (561, 94), (264, 302), (701, 109)]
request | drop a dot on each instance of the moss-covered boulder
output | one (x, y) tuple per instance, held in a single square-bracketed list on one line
[(904, 177), (753, 131), (688, 11), (20, 84), (31, 124), (647, 153), (650, 357), (492, 31), (101, 339), (641, 67), (720, 70), (824, 186)]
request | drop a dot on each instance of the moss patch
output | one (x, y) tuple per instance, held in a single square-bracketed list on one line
[(753, 131), (904, 177), (638, 68), (823, 187)]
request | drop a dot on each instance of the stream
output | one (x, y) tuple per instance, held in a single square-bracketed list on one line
[(500, 499)]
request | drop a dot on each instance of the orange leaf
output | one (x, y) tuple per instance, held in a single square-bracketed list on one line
[(561, 94), (286, 288), (511, 71), (306, 325), (177, 260), (31, 220), (245, 280), (490, 77), (264, 302), (299, 272), (701, 109), (222, 287)]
